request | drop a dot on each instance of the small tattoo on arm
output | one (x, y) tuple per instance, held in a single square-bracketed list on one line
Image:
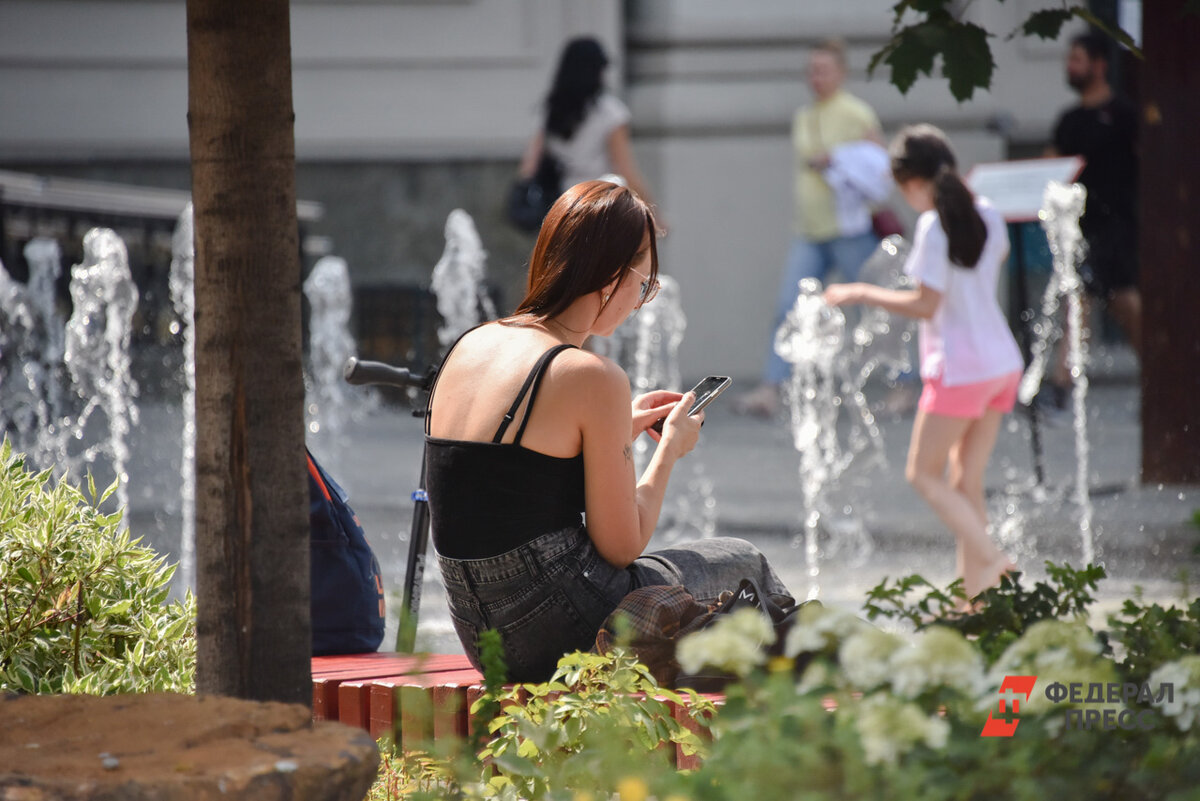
[(628, 451)]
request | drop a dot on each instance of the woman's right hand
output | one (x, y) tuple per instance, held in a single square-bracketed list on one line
[(681, 431)]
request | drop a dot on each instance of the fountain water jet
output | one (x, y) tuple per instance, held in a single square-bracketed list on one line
[(830, 372), (458, 279), (647, 346), (182, 286), (96, 350), (1062, 206), (330, 345), (811, 339)]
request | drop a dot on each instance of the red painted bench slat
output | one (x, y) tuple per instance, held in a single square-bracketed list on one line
[(418, 697), (386, 664), (330, 671), (428, 705)]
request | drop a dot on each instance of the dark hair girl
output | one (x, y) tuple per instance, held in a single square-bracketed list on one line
[(585, 128), (922, 151), (970, 364), (577, 83)]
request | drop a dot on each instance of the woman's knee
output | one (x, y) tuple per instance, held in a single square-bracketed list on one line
[(920, 478), (968, 485)]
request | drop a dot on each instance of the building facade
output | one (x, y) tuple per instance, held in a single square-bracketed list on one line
[(407, 109)]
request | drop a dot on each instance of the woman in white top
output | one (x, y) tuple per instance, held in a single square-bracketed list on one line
[(970, 363), (586, 128)]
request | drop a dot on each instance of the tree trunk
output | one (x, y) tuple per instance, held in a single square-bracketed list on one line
[(252, 549), (1170, 243)]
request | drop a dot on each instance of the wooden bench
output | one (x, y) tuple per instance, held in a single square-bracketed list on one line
[(415, 697)]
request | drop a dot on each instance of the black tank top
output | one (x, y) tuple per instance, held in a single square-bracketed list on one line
[(486, 498)]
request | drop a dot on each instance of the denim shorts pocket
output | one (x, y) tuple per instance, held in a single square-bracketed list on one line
[(535, 641), (468, 635), (604, 586)]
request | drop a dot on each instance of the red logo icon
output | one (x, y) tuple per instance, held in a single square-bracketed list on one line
[(1012, 690)]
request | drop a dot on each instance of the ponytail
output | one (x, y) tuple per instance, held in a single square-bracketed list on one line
[(965, 229), (922, 151)]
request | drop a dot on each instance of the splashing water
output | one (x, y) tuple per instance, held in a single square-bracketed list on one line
[(830, 371), (1062, 206), (44, 258), (96, 350), (330, 344), (811, 338), (31, 353), (183, 298), (23, 407), (458, 279), (882, 340), (654, 335), (648, 348)]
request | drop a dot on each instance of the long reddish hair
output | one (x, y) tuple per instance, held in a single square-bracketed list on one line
[(591, 236)]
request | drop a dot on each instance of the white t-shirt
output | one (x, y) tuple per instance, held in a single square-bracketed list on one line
[(585, 155), (967, 339)]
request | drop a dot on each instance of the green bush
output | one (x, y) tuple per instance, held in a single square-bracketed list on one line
[(82, 606), (876, 714), (598, 722)]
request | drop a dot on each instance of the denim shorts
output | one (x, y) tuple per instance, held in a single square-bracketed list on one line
[(550, 596)]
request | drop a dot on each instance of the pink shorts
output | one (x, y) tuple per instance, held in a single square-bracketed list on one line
[(970, 400)]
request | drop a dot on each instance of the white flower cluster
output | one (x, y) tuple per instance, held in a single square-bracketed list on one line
[(1184, 677), (820, 628), (889, 727), (735, 643), (937, 657), (865, 656), (1051, 643), (1054, 651)]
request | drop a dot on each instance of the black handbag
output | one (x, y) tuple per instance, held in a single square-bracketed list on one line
[(530, 198)]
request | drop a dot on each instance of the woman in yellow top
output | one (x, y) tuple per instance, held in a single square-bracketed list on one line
[(822, 242)]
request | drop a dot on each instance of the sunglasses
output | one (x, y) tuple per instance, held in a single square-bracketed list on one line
[(649, 288)]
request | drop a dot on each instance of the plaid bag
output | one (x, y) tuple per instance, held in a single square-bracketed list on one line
[(652, 619)]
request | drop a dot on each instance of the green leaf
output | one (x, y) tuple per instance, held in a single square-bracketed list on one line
[(26, 574), (910, 54), (1046, 23), (119, 608), (922, 6), (25, 679), (518, 766), (967, 61)]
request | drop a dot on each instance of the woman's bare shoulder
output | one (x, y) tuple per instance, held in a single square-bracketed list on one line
[(585, 368)]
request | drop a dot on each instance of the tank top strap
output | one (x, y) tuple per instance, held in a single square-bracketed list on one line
[(438, 374), (533, 382)]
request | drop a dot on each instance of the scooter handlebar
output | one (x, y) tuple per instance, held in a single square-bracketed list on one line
[(360, 373)]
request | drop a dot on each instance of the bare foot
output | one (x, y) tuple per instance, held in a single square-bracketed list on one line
[(989, 576)]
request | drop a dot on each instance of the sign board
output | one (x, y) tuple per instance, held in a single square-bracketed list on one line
[(1015, 188)]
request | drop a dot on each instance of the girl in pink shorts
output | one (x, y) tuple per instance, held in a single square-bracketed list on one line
[(970, 363)]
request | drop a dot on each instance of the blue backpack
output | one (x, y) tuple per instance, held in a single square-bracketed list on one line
[(348, 611)]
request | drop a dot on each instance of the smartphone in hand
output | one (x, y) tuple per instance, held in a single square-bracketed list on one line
[(706, 392)]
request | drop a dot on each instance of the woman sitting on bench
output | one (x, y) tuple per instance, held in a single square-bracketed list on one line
[(527, 433)]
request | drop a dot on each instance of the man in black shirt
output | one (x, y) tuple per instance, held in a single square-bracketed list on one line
[(1103, 130)]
